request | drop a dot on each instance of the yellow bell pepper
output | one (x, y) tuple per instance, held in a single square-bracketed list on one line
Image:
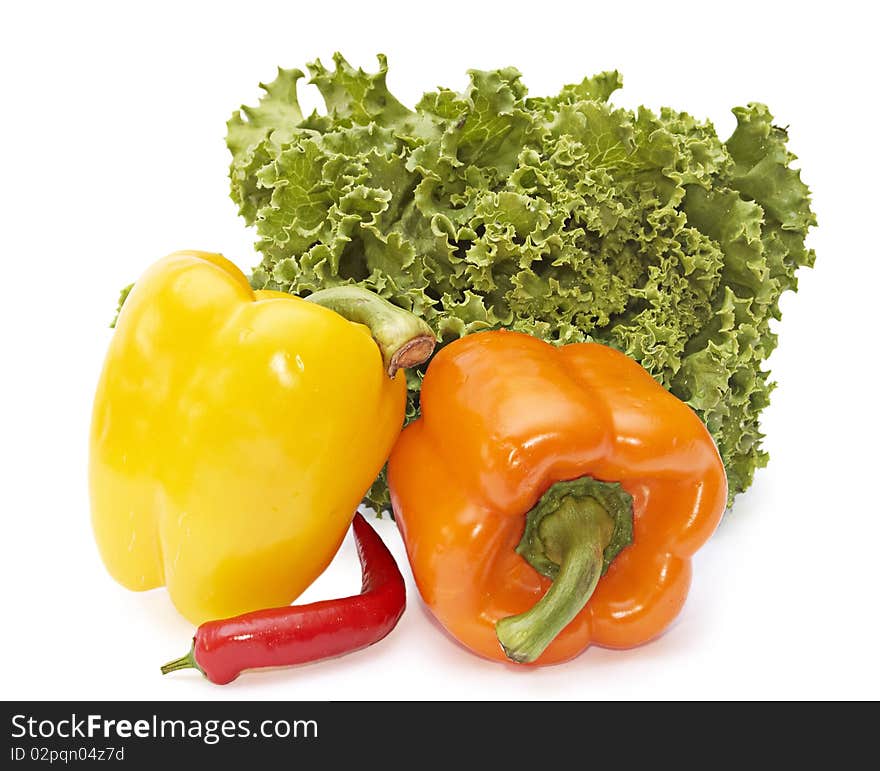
[(234, 432)]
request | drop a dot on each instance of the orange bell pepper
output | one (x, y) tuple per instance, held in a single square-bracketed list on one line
[(551, 498)]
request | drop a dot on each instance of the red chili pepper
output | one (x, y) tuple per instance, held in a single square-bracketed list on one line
[(295, 634)]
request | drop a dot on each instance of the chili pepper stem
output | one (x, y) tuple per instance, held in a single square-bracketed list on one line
[(403, 338), (574, 537), (184, 662)]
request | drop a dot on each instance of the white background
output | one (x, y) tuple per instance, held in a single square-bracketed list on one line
[(112, 129)]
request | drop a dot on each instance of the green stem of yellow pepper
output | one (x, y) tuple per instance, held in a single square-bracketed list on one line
[(404, 339)]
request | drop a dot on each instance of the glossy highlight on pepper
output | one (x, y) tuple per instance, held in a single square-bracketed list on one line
[(510, 422)]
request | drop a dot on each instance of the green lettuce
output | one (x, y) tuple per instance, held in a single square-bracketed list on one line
[(562, 216)]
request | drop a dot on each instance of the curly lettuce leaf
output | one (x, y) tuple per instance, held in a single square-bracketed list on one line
[(559, 216)]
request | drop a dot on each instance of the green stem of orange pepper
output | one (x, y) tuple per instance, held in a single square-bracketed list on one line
[(574, 538), (571, 536)]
